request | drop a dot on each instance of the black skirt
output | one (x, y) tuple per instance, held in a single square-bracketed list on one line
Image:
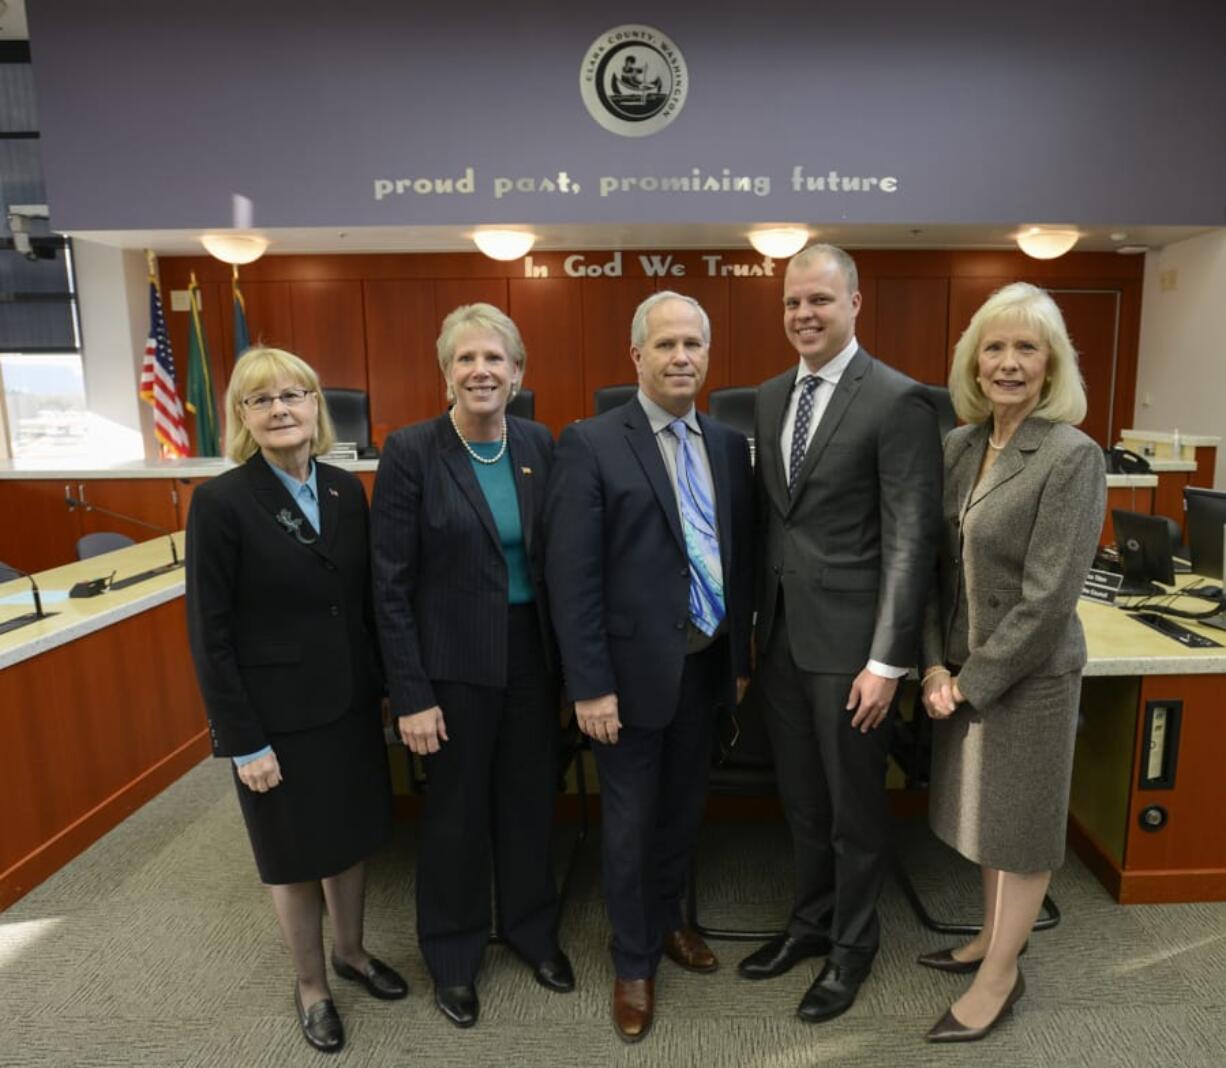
[(333, 806)]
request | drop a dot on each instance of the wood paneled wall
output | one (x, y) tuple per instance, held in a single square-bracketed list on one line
[(370, 321)]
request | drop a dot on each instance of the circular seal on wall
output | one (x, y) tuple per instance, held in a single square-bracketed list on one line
[(633, 80)]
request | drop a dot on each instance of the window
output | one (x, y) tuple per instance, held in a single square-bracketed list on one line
[(44, 399)]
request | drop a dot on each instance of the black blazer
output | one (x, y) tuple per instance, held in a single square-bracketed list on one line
[(440, 577), (617, 569), (282, 634), (853, 549)]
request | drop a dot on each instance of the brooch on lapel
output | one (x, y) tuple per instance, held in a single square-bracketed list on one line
[(293, 526), (525, 470), (332, 491)]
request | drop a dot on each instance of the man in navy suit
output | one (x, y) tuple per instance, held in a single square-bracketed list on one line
[(649, 570)]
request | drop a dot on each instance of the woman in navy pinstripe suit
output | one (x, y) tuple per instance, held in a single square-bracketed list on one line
[(460, 605)]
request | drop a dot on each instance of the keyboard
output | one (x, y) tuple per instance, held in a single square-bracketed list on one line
[(1171, 629)]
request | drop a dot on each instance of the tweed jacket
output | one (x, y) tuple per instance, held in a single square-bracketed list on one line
[(1015, 554)]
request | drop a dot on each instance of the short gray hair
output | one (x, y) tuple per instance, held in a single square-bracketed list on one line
[(480, 317), (1063, 397), (638, 325), (851, 275)]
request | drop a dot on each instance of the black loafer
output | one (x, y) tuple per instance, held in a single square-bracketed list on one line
[(380, 980), (555, 974), (321, 1024), (780, 955), (458, 1003), (833, 992)]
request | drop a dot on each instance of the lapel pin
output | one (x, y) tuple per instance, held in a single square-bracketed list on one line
[(332, 490), (526, 470), (293, 525)]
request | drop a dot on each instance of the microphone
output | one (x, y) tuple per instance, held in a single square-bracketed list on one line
[(29, 617), (130, 580)]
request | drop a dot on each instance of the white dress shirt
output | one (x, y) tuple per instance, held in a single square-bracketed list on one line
[(828, 377)]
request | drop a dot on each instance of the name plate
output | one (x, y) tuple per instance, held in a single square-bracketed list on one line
[(1102, 586)]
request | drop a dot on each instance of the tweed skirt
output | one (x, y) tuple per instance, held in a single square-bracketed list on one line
[(333, 806), (1001, 776)]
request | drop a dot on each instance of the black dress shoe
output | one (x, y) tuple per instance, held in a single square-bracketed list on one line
[(380, 980), (943, 960), (321, 1025), (458, 1003), (949, 1029), (780, 955), (555, 974), (833, 992)]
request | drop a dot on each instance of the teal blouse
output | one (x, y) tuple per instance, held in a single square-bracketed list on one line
[(497, 482)]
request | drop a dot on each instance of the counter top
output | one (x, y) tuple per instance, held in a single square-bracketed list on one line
[(75, 618), (192, 467), (1167, 437), (198, 467), (1117, 644), (1134, 481), (1160, 464), (1120, 645)]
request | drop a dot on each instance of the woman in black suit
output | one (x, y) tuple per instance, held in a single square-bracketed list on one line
[(281, 629), (456, 527)]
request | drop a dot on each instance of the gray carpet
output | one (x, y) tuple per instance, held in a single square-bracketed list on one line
[(159, 947)]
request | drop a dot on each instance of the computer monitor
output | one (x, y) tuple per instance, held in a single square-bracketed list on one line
[(1144, 542), (1206, 520)]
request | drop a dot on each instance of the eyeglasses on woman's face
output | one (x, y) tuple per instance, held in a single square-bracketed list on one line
[(262, 402)]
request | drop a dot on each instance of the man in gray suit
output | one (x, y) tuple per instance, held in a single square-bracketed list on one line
[(848, 496)]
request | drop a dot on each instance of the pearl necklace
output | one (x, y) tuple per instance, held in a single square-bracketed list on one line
[(473, 452), (994, 445)]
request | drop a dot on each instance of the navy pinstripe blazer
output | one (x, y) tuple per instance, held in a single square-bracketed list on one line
[(440, 577)]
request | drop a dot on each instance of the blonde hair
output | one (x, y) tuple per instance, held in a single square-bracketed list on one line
[(1063, 397), (480, 317), (256, 369)]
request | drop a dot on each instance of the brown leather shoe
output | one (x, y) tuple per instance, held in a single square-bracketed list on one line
[(686, 948), (634, 1007)]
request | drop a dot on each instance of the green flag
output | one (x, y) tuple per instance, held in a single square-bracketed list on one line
[(200, 400)]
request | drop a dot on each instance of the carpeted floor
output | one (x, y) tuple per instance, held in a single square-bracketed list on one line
[(158, 947)]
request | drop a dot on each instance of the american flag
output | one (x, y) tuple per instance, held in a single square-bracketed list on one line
[(157, 382)]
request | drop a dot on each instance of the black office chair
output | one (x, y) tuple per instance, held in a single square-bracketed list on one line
[(104, 541), (947, 418), (523, 404), (609, 397), (735, 407), (7, 573), (350, 411), (742, 765)]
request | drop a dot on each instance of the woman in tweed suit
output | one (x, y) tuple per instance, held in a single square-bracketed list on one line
[(1003, 648), (458, 558)]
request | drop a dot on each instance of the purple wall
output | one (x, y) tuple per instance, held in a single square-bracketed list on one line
[(1090, 112)]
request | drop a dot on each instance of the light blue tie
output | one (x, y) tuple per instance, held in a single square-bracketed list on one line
[(697, 505)]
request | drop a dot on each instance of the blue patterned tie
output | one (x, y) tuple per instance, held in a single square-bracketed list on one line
[(800, 429), (697, 505)]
